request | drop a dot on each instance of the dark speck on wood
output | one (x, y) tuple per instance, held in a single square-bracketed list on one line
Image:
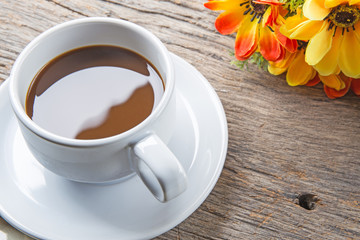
[(308, 201)]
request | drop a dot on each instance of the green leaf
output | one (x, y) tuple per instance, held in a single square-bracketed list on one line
[(256, 58), (292, 6)]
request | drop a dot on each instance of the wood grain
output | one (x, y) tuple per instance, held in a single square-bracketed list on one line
[(283, 141)]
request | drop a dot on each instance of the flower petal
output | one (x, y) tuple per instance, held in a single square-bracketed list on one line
[(333, 81), (355, 86), (313, 81), (229, 21), (306, 30), (278, 67), (329, 63), (332, 93), (269, 46), (299, 72), (270, 17), (319, 45), (276, 70), (292, 23), (223, 4), (349, 54), (354, 2), (246, 39), (290, 44), (270, 2), (334, 3), (315, 9), (267, 18)]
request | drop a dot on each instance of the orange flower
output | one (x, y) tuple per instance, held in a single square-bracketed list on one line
[(257, 24)]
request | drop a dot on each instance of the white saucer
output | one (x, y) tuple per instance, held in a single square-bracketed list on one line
[(45, 206)]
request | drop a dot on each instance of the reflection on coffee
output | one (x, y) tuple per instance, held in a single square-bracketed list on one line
[(94, 92)]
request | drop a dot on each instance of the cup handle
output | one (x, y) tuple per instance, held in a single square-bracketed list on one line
[(158, 168)]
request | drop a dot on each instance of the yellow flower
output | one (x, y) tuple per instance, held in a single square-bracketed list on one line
[(332, 29), (298, 71), (301, 73)]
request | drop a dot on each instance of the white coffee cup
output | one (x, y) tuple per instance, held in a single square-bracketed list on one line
[(141, 149)]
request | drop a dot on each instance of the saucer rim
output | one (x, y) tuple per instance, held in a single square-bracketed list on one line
[(203, 194)]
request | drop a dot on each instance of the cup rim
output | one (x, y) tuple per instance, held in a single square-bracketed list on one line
[(49, 136)]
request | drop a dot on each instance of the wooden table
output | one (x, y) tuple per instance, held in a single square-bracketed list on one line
[(283, 141)]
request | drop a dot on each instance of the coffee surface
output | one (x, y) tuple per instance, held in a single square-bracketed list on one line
[(94, 92)]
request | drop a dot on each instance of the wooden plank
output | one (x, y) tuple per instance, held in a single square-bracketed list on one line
[(283, 140)]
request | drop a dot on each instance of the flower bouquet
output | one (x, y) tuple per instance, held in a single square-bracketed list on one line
[(312, 41)]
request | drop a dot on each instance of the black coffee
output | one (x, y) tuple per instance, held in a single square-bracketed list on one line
[(94, 92)]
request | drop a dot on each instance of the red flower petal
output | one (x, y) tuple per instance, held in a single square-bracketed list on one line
[(332, 93), (290, 44), (355, 86), (313, 82), (269, 46), (270, 16)]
